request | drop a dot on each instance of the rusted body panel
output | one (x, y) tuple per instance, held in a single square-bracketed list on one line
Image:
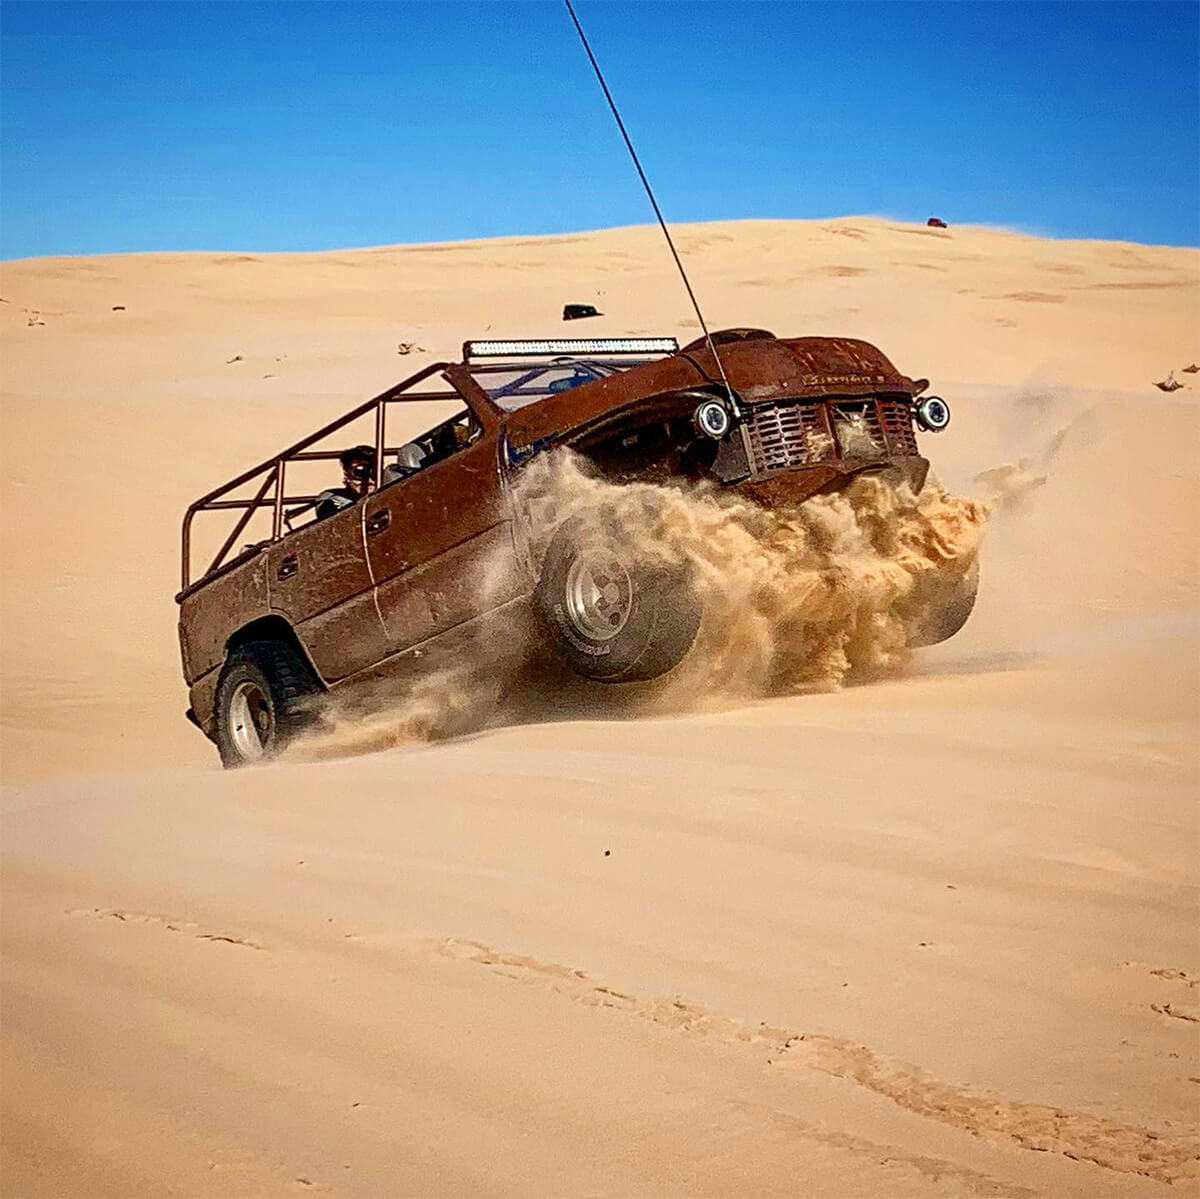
[(320, 583), (806, 366), (439, 549), (418, 522), (207, 617)]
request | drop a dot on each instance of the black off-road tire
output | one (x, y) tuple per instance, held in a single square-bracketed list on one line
[(654, 605), (945, 618), (264, 697)]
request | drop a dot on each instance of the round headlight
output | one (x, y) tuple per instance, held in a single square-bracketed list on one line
[(711, 418), (933, 414)]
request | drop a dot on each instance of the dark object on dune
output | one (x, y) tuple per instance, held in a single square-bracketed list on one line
[(1191, 370), (576, 312), (118, 308), (1170, 383), (936, 222), (366, 593)]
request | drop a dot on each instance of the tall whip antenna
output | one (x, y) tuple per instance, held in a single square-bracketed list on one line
[(649, 192)]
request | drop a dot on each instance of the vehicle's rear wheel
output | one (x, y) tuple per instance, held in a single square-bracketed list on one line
[(262, 702), (614, 617), (944, 613)]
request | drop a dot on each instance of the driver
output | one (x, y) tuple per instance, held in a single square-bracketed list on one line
[(358, 478)]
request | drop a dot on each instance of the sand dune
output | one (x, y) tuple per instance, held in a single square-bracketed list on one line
[(931, 936)]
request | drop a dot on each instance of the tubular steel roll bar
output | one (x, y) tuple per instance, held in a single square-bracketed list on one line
[(271, 492)]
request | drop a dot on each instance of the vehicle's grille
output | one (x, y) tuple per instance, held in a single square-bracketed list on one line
[(781, 434), (858, 430), (896, 416), (790, 433)]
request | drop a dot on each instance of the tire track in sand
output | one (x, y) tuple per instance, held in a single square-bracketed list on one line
[(170, 923), (1077, 1135)]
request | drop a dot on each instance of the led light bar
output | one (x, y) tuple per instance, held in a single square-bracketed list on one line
[(553, 346)]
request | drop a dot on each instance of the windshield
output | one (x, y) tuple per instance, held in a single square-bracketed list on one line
[(513, 385)]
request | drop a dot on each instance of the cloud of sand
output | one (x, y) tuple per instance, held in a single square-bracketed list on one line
[(799, 598), (1007, 486), (807, 596)]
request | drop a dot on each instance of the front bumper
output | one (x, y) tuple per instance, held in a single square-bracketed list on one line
[(821, 478)]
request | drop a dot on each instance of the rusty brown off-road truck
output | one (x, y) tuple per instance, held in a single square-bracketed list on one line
[(315, 604)]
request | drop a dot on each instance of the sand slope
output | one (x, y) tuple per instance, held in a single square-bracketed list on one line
[(894, 940)]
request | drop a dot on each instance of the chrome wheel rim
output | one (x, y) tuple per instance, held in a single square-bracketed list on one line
[(599, 595), (250, 721)]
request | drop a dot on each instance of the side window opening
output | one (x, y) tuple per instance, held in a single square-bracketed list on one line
[(440, 443), (399, 463)]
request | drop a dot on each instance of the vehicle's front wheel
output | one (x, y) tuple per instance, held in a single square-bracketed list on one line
[(944, 607), (261, 702), (614, 616)]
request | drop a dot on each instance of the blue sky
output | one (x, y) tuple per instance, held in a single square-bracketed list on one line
[(189, 125)]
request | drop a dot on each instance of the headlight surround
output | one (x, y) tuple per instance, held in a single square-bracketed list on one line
[(932, 413), (712, 419)]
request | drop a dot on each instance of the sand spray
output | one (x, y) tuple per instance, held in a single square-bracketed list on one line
[(807, 597)]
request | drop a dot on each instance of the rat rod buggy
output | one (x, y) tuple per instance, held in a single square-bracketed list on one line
[(313, 605)]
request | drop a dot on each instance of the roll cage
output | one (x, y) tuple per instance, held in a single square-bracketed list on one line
[(271, 475), (488, 389)]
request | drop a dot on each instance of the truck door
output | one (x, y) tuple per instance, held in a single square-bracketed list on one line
[(439, 545), (318, 578)]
